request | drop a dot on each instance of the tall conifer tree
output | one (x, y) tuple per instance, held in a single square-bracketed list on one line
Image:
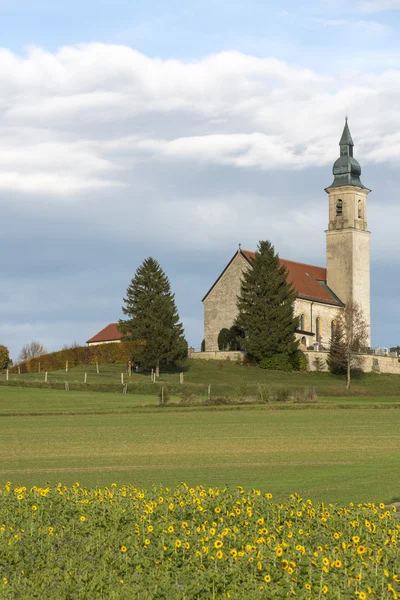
[(266, 307), (152, 317), (336, 360)]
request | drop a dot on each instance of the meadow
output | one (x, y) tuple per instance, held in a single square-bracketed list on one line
[(227, 378), (279, 499), (321, 451)]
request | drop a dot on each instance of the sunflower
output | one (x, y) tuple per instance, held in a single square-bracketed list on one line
[(124, 549), (267, 578), (218, 544)]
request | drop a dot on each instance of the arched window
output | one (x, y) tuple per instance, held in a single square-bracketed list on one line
[(318, 328), (359, 209), (303, 341), (301, 322), (339, 208), (333, 327)]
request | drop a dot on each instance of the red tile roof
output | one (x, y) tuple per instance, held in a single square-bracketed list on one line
[(308, 280), (108, 334)]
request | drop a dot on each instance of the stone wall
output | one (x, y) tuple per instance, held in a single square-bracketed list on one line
[(380, 364), (217, 355)]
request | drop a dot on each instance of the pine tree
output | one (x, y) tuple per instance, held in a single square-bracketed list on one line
[(153, 318), (266, 307), (336, 360)]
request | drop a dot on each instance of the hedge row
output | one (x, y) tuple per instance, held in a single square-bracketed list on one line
[(115, 352)]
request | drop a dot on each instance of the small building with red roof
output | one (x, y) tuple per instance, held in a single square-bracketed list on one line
[(108, 335)]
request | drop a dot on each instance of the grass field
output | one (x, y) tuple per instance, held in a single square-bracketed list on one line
[(226, 378), (330, 455)]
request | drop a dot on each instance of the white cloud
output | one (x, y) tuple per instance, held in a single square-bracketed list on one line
[(79, 119), (372, 6), (107, 156)]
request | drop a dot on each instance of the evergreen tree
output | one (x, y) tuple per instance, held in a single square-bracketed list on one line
[(336, 360), (266, 307), (153, 318)]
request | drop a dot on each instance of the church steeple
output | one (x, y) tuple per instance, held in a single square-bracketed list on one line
[(346, 169), (347, 236)]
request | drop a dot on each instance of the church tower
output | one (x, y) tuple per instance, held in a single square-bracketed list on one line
[(347, 237)]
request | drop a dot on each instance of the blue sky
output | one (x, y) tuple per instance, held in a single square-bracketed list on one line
[(178, 130)]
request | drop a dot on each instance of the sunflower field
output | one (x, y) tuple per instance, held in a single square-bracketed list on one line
[(181, 543)]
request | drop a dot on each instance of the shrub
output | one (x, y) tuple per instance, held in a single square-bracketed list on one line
[(4, 357), (306, 394), (81, 355), (217, 401), (187, 394), (263, 392), (278, 362), (299, 361), (203, 345), (279, 394), (241, 391), (319, 364)]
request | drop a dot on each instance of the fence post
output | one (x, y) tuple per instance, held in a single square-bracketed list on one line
[(66, 366), (209, 392), (97, 368), (85, 381), (122, 378), (45, 377), (181, 377), (7, 375), (19, 370), (162, 395), (157, 371), (39, 367)]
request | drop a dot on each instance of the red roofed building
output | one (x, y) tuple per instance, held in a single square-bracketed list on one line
[(107, 335), (321, 292)]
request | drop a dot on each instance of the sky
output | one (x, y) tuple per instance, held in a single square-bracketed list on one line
[(178, 130)]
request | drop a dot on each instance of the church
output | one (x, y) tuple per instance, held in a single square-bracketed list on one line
[(321, 291)]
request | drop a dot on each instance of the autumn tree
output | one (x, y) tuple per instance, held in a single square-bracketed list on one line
[(4, 357), (32, 350), (356, 336)]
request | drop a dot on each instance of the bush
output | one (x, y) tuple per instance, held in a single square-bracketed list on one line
[(4, 357), (241, 391), (187, 394), (267, 393), (306, 394), (219, 400), (80, 355), (203, 345), (319, 364), (263, 392), (278, 362), (299, 361)]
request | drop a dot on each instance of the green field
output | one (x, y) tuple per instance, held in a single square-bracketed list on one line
[(325, 453), (226, 379)]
